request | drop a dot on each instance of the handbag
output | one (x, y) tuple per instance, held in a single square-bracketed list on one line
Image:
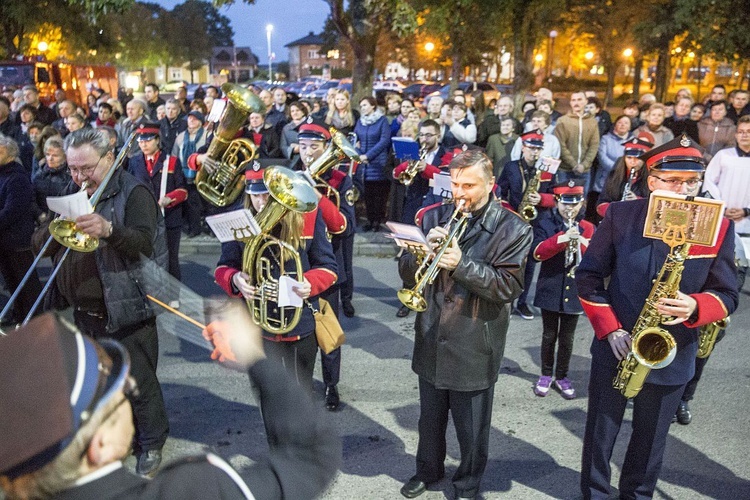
[(328, 331)]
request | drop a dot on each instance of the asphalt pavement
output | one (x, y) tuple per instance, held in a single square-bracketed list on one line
[(535, 442)]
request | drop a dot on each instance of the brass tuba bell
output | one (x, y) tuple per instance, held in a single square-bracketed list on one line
[(289, 191), (224, 185)]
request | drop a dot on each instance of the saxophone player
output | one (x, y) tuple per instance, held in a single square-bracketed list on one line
[(460, 337), (560, 239), (298, 348), (513, 187), (707, 292)]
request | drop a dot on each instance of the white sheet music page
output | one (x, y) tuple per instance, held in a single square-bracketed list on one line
[(70, 206)]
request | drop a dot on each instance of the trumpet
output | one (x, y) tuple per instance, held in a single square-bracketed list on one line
[(407, 176), (413, 298), (65, 232)]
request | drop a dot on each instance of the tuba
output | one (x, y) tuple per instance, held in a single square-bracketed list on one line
[(407, 176), (652, 346), (289, 191), (339, 150), (224, 185), (413, 298), (707, 335)]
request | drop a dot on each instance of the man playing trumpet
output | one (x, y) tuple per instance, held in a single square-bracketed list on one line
[(460, 337)]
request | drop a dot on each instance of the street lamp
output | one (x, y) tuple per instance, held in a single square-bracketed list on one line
[(627, 52), (552, 36), (269, 29), (42, 46), (429, 47)]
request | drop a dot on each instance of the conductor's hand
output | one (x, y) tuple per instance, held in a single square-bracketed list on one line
[(236, 339), (208, 164), (535, 198), (303, 290), (619, 341), (94, 225), (680, 308), (240, 280)]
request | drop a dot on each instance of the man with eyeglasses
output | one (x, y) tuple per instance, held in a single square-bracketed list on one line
[(417, 191), (614, 279), (512, 185), (104, 287), (67, 424)]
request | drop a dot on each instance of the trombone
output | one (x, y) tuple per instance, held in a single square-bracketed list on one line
[(65, 232)]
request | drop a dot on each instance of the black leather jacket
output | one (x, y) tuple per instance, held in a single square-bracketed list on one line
[(460, 338)]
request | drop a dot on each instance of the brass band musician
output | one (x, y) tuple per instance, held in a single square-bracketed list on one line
[(707, 293), (460, 337)]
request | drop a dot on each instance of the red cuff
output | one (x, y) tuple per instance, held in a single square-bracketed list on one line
[(430, 171), (601, 208), (193, 162), (548, 200), (549, 248), (321, 279), (334, 220), (602, 318), (399, 170), (223, 277), (178, 196), (710, 308)]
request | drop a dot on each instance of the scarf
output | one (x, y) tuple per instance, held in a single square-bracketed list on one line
[(188, 148), (368, 120)]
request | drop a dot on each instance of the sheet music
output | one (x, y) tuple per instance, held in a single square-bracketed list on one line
[(70, 206), (406, 232), (217, 109), (441, 185), (287, 296), (551, 164), (235, 225)]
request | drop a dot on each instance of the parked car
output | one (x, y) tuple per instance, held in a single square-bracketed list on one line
[(420, 90), (489, 90), (320, 92), (393, 85), (172, 86)]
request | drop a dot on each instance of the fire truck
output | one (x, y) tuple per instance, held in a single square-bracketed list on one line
[(77, 80)]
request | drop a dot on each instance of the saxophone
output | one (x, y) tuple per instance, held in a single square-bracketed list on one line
[(652, 347), (526, 210), (707, 336)]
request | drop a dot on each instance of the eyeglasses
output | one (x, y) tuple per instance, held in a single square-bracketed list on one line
[(427, 136), (86, 171), (675, 183), (743, 132)]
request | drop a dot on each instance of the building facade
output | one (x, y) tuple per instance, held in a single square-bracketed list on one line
[(305, 58)]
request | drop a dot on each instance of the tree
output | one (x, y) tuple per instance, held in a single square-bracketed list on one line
[(77, 18), (194, 28), (140, 34)]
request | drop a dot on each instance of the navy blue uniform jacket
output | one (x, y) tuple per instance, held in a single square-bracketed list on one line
[(511, 184), (619, 251), (175, 183), (555, 290)]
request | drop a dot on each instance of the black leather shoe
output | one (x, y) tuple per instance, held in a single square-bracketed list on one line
[(148, 463), (413, 488), (348, 309), (332, 398), (683, 413), (403, 312)]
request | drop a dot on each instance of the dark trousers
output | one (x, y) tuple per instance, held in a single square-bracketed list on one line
[(472, 415), (173, 249), (297, 358), (557, 328), (193, 210), (528, 277), (397, 202), (700, 364), (347, 287), (13, 267), (142, 344), (653, 409), (331, 362), (376, 200)]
